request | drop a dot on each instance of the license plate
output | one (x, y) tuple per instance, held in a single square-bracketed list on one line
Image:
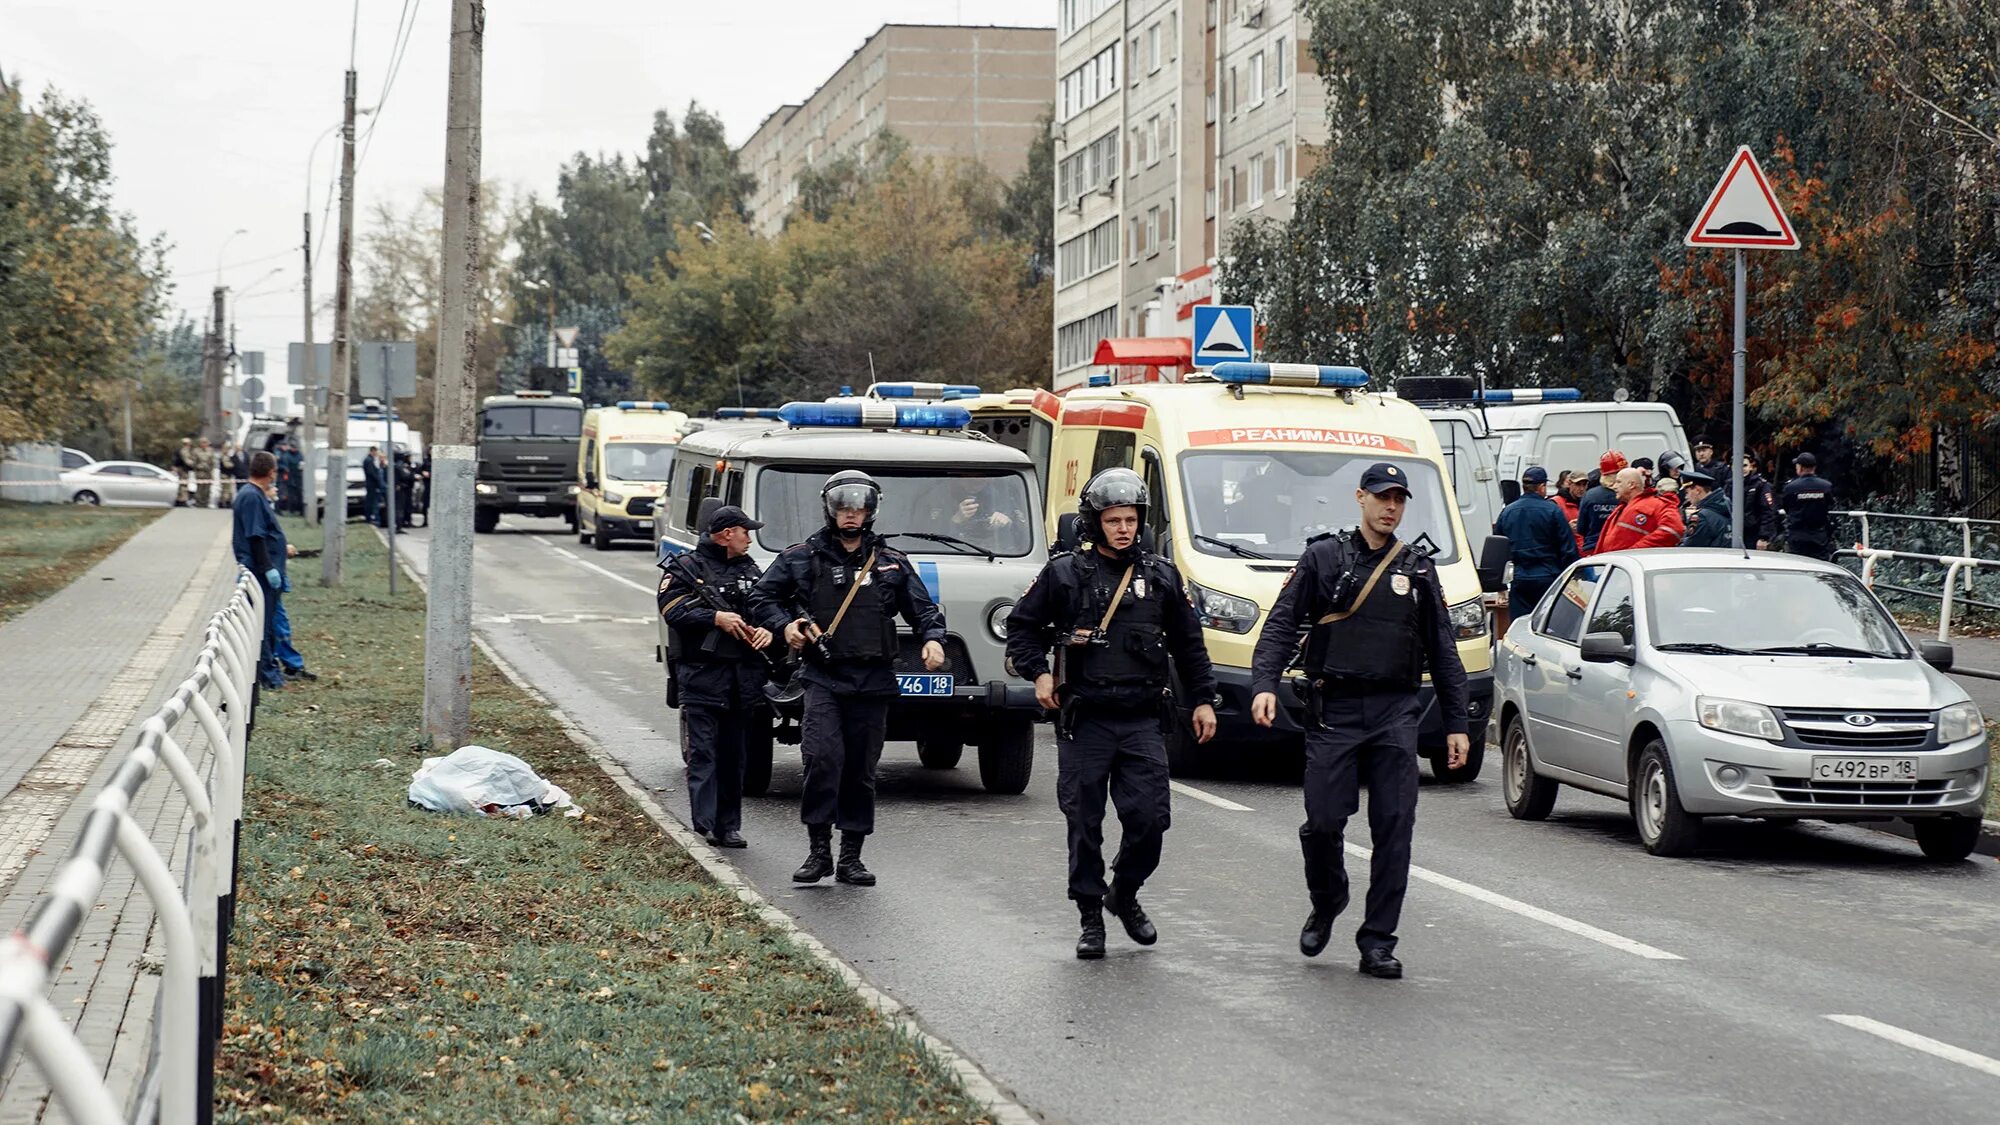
[(1864, 769), (533, 499), (924, 685), (643, 525)]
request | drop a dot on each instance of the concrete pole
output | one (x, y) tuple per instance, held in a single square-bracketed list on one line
[(1736, 421), (308, 414), (211, 376), (552, 324), (448, 617), (332, 561)]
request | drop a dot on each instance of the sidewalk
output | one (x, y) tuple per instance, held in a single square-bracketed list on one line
[(77, 672)]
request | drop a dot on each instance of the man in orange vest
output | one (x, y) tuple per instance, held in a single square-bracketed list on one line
[(1643, 518)]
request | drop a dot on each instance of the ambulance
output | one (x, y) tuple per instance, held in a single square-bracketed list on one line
[(1007, 417), (1246, 464), (621, 469)]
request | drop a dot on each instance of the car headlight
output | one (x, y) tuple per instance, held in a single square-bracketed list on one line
[(1468, 619), (996, 622), (1735, 716), (1218, 610), (1960, 721), (485, 489), (610, 497), (572, 490)]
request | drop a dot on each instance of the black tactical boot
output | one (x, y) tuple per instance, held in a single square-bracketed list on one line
[(819, 861), (1090, 943), (1318, 928), (1322, 857), (1126, 909), (850, 869)]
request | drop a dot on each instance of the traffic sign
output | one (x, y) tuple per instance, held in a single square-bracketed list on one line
[(253, 389), (295, 364), (386, 369), (576, 380), (1224, 334), (566, 357), (1742, 213), (566, 337), (250, 363)]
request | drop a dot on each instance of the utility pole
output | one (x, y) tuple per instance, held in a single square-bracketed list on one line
[(211, 375), (448, 615), (342, 376), (308, 413)]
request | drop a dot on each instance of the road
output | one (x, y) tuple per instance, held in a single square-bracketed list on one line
[(1556, 972)]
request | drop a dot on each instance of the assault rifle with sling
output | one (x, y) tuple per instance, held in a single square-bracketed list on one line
[(781, 687)]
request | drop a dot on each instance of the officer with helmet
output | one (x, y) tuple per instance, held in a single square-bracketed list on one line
[(836, 597), (1116, 615), (1377, 618)]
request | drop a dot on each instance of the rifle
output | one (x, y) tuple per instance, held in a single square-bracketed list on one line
[(777, 692)]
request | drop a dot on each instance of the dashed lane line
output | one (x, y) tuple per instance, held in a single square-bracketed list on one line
[(1187, 790), (1934, 1047)]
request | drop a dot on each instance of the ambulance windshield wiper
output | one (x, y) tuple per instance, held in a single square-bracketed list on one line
[(1228, 546), (947, 540)]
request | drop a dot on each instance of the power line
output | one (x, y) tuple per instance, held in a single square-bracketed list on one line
[(230, 266), (399, 47)]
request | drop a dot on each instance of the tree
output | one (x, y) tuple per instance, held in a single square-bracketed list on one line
[(1029, 211)]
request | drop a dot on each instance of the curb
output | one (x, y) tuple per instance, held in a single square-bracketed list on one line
[(1989, 833), (978, 1085)]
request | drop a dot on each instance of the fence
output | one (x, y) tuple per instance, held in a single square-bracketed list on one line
[(31, 473), (194, 921), (1961, 570)]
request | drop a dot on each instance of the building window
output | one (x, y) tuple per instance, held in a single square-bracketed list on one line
[(1087, 254), (1152, 48), (1075, 14), (1256, 79), (1256, 181), (1210, 15), (1173, 133), (1229, 94), (1229, 191), (1088, 84), (1284, 73), (1208, 108), (1076, 342), (1152, 230), (1137, 236), (1282, 177), (1208, 204), (1152, 140), (1133, 62), (1087, 169)]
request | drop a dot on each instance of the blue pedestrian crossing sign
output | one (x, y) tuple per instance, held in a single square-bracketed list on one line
[(1224, 334)]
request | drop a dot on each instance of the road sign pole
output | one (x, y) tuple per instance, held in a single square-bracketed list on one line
[(1736, 420), (389, 484)]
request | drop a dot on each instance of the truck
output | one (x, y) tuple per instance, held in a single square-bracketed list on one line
[(528, 447)]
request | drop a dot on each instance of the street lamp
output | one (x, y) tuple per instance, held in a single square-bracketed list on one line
[(549, 288), (224, 252)]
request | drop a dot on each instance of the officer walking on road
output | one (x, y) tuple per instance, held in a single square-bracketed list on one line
[(1378, 618), (837, 596), (1541, 539), (718, 677), (1116, 614), (1806, 504)]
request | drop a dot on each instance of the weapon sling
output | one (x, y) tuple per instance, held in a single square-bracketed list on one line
[(1368, 587)]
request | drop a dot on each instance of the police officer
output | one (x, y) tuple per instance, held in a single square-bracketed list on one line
[(718, 675), (1760, 507), (1378, 618), (1806, 504), (1541, 539), (1115, 614), (840, 593), (1708, 511)]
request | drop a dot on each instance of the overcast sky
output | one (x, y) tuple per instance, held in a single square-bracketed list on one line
[(213, 105)]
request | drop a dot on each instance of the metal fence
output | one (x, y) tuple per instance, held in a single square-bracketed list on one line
[(213, 704), (1961, 571), (31, 472)]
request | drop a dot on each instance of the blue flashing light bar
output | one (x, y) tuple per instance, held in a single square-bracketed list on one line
[(846, 390), (1289, 375), (747, 412), (628, 404), (921, 390), (1099, 381), (1540, 394), (875, 415)]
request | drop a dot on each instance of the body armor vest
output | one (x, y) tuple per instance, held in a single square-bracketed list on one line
[(866, 633), (733, 584), (1380, 642), (1133, 650)]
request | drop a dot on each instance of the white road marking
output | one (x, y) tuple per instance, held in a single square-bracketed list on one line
[(1219, 802), (649, 591), (1923, 1043), (1535, 913)]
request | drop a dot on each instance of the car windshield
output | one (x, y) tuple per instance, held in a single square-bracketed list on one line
[(989, 509), (1272, 502), (1756, 610), (530, 421), (637, 460)]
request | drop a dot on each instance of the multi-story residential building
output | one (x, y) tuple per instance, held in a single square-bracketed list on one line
[(977, 92), (1174, 119)]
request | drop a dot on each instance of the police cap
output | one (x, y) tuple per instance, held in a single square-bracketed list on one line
[(728, 516), (1806, 461), (1382, 476)]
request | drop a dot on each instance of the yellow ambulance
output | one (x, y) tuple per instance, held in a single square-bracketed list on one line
[(1005, 416), (1246, 464), (622, 469)]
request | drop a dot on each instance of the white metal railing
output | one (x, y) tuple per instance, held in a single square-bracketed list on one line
[(1963, 523), (194, 920)]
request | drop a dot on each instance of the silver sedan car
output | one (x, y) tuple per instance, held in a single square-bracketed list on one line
[(131, 483), (1695, 683)]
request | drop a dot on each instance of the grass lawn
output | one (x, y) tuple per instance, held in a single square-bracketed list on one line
[(391, 964), (43, 547)]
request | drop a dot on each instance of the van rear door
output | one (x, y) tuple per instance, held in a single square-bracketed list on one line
[(1573, 440)]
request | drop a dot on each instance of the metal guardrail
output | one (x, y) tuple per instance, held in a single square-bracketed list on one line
[(194, 921)]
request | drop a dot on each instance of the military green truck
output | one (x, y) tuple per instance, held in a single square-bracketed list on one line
[(528, 444)]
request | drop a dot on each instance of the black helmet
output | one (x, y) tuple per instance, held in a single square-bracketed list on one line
[(1112, 488), (1669, 462), (850, 488)]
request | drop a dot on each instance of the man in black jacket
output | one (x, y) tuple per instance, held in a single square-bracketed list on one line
[(840, 592), (1760, 508), (1116, 614), (1807, 504), (1708, 511), (1378, 618), (718, 676)]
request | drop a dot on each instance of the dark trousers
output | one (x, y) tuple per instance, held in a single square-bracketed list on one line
[(268, 670), (1526, 593), (289, 657), (1126, 756), (715, 737), (371, 506), (1810, 548), (1368, 740), (840, 739)]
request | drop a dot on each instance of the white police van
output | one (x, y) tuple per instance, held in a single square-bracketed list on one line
[(966, 510)]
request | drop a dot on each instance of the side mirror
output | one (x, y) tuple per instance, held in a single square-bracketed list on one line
[(1492, 568), (1069, 534), (1510, 490), (590, 480), (1606, 648), (1937, 654)]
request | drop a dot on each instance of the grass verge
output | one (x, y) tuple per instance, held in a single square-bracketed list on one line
[(391, 964), (43, 547)]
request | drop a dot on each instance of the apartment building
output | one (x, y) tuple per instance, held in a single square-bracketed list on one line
[(976, 92), (1174, 119)]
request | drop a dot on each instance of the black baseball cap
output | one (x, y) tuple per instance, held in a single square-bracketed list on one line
[(1535, 475), (1806, 460), (728, 516), (1382, 476)]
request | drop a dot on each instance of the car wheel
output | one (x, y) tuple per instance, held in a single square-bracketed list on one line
[(485, 521), (85, 497), (940, 753), (1007, 756), (1947, 839), (1440, 761), (600, 539), (1665, 828), (1529, 795)]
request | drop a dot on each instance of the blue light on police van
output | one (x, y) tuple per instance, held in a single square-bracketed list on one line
[(629, 404), (876, 415), (1533, 394), (1098, 381), (846, 390), (1289, 375), (747, 412), (921, 390)]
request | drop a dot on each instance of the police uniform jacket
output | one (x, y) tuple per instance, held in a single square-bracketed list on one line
[(1806, 503), (1760, 511), (1310, 593), (789, 589), (1063, 597), (1593, 512), (725, 672), (1539, 535), (1708, 526)]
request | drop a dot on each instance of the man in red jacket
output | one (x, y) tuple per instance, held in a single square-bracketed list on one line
[(1643, 517)]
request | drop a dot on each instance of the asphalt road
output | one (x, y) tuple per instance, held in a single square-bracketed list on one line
[(1556, 972)]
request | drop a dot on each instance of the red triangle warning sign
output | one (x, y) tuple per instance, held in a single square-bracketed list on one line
[(1742, 212)]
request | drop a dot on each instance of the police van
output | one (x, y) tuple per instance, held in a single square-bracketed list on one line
[(1245, 465), (964, 508), (622, 467)]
